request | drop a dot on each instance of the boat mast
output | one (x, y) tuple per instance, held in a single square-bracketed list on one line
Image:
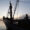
[(10, 7)]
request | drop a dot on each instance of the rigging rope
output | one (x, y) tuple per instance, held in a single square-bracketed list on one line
[(15, 7)]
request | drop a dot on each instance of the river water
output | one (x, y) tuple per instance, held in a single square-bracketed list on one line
[(2, 26)]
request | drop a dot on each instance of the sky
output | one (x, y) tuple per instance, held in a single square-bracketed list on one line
[(22, 8)]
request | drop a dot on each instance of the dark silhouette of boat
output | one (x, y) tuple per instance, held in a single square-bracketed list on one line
[(23, 24), (18, 24)]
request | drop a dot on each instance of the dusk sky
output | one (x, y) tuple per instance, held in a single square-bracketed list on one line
[(22, 8)]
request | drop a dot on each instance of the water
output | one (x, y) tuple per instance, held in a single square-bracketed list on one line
[(2, 26)]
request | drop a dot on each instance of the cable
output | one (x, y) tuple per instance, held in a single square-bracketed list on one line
[(15, 7)]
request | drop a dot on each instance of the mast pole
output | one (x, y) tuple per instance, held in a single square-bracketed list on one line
[(10, 7)]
